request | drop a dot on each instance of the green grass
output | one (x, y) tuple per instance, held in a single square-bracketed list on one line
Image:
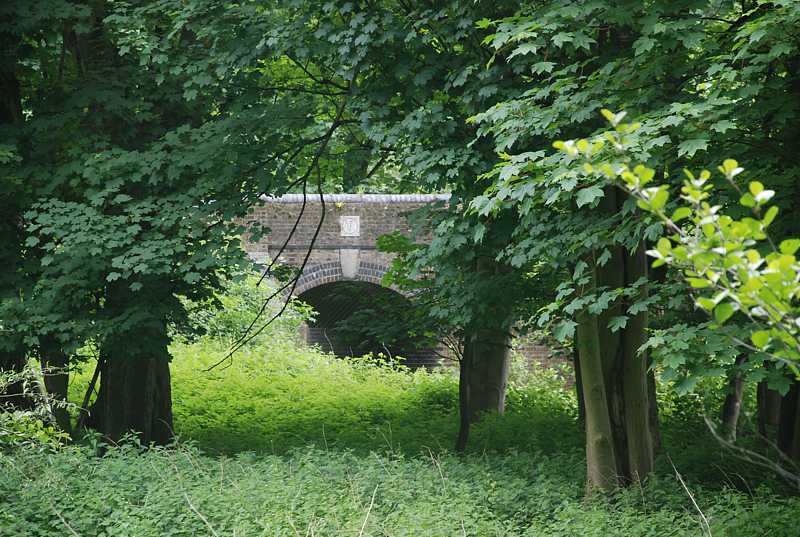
[(288, 441)]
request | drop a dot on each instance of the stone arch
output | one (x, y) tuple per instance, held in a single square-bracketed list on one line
[(336, 299), (322, 273)]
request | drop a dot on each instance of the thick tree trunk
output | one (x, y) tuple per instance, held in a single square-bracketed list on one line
[(769, 409), (483, 373), (488, 373), (732, 406), (135, 393), (13, 354), (134, 397), (787, 424), (628, 408)]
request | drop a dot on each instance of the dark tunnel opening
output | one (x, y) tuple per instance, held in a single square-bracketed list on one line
[(355, 318)]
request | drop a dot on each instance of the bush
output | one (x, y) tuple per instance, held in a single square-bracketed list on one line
[(279, 396), (228, 315), (31, 426), (310, 491)]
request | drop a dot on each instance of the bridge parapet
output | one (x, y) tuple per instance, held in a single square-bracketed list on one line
[(345, 247)]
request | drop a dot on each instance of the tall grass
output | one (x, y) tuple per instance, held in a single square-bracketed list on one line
[(285, 440)]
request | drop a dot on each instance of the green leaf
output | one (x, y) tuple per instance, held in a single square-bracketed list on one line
[(790, 246), (770, 215), (681, 213), (586, 196), (690, 147), (698, 283), (659, 200), (617, 322), (706, 303), (564, 330), (723, 312), (760, 338)]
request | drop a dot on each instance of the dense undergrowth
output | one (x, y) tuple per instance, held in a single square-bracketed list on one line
[(288, 441)]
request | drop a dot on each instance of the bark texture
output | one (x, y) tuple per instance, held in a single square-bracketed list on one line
[(621, 419), (135, 395), (601, 458), (732, 406), (484, 366), (54, 363), (487, 377), (488, 345)]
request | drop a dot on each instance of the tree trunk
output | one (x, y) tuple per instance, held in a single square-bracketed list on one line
[(464, 403), (576, 366), (788, 431), (601, 465), (655, 426), (488, 372), (134, 397), (488, 347), (732, 406), (135, 393), (611, 365), (54, 363), (769, 409), (12, 396), (13, 353)]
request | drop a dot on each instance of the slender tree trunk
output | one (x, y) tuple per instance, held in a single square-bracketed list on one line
[(601, 465), (635, 390), (732, 406), (655, 426), (464, 399), (576, 366), (12, 396)]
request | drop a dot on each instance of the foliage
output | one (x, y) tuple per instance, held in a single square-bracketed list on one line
[(179, 491), (32, 426), (719, 256), (232, 309), (266, 412), (277, 396)]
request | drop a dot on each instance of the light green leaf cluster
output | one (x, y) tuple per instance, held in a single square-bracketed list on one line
[(730, 263)]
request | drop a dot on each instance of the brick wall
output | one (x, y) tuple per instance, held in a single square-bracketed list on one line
[(340, 253)]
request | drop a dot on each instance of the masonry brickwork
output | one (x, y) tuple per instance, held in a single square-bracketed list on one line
[(344, 249)]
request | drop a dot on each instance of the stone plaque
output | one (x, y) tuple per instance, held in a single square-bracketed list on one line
[(350, 226), (348, 259)]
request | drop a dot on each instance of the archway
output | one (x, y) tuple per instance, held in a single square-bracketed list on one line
[(359, 317)]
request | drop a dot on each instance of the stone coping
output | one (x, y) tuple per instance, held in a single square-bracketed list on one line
[(359, 198)]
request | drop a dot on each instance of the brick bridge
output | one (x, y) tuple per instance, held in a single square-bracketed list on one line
[(344, 265), (344, 271)]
